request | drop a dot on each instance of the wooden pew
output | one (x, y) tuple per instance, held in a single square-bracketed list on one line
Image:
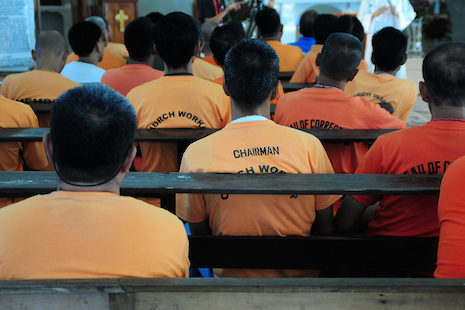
[(244, 294), (288, 87), (188, 135), (285, 75)]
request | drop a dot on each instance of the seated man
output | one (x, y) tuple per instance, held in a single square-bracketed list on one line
[(327, 106), (307, 40), (13, 154), (389, 46), (207, 30), (178, 99), (45, 83), (270, 29), (86, 229), (427, 149), (139, 42), (254, 144), (116, 48), (202, 68), (87, 41), (308, 70), (111, 59)]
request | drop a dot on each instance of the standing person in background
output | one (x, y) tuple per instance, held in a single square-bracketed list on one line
[(378, 14), (215, 10)]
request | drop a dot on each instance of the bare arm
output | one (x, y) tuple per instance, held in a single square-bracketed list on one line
[(349, 214), (323, 224), (232, 7)]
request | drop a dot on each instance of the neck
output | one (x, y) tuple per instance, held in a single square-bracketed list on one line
[(322, 80), (276, 37), (92, 59), (48, 67), (184, 69), (207, 51), (111, 187), (148, 61), (393, 72), (447, 112), (263, 110)]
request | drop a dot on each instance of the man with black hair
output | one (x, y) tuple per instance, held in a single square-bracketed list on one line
[(389, 54), (86, 229), (215, 10), (110, 59), (139, 42), (202, 68), (252, 143), (270, 30), (87, 41), (177, 99), (45, 83), (427, 149), (307, 40), (308, 70), (326, 105)]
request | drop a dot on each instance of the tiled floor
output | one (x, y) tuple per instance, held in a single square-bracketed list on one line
[(420, 113)]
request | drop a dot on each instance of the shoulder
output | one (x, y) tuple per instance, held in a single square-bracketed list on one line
[(14, 108)]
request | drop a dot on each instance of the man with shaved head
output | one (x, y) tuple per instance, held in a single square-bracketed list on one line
[(45, 83), (327, 106)]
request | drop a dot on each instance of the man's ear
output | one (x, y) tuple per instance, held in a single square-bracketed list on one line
[(424, 92), (318, 59), (405, 59), (47, 141), (275, 91), (154, 50), (352, 75), (197, 49), (225, 88), (34, 55), (129, 159)]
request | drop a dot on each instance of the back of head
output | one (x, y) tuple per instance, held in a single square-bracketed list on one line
[(251, 71), (323, 27), (238, 26), (83, 36), (50, 44), (138, 38), (99, 22), (389, 47), (222, 39), (444, 74), (155, 17), (340, 56), (92, 129), (350, 24), (268, 22), (306, 23), (175, 37)]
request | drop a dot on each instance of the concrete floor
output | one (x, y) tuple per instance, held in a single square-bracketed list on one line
[(420, 114)]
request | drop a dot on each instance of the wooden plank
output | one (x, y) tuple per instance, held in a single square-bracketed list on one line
[(285, 75), (146, 184), (327, 253), (189, 134), (288, 87)]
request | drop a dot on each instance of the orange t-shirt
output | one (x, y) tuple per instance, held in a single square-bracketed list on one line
[(19, 115), (126, 78), (308, 71), (90, 235), (380, 88), (289, 56), (118, 49), (211, 60), (205, 70), (36, 86), (176, 102), (109, 61), (255, 147), (451, 211), (428, 149), (316, 48), (331, 108)]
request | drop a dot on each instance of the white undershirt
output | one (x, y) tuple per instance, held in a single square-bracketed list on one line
[(250, 118)]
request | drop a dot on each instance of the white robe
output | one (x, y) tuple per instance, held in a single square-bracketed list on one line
[(405, 16)]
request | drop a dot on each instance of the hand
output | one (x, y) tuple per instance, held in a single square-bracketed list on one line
[(234, 6), (380, 11)]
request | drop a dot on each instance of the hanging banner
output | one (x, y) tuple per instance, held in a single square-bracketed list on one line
[(17, 34)]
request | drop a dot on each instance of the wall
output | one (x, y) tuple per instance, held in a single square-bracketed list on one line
[(164, 6), (457, 10)]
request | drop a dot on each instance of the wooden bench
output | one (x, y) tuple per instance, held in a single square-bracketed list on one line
[(244, 294), (188, 135)]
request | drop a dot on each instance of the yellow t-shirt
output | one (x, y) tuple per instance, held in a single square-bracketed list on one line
[(205, 70), (379, 88), (118, 49), (289, 56), (176, 102), (36, 86), (255, 147), (18, 115), (90, 235)]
